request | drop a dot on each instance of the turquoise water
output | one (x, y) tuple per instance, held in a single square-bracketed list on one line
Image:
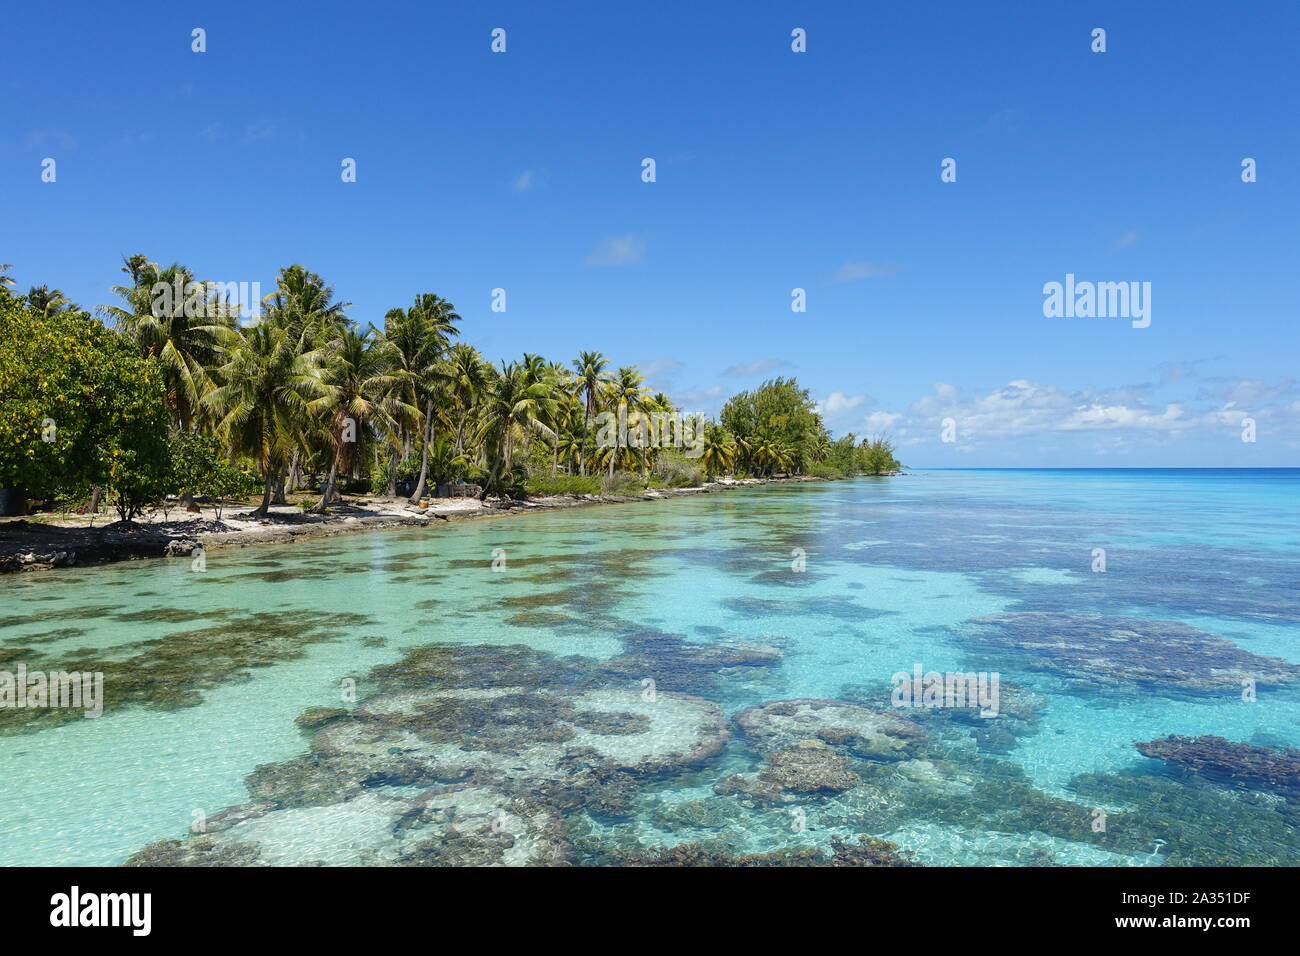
[(992, 571)]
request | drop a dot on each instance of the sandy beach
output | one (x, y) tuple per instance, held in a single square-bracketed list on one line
[(43, 542)]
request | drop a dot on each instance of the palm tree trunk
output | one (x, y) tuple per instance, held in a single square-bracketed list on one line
[(424, 458), (491, 478), (266, 494), (279, 487), (582, 450), (392, 474), (329, 488)]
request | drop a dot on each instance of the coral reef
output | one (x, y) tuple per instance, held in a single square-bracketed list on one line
[(868, 851), (859, 730), (1230, 764), (1092, 652)]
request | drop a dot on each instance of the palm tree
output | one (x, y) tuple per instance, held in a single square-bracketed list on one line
[(357, 380), (590, 367), (516, 401), (467, 377), (564, 406), (186, 345), (719, 450), (47, 301), (273, 380), (768, 452), (305, 304), (624, 395), (6, 281), (655, 404), (819, 446), (431, 323)]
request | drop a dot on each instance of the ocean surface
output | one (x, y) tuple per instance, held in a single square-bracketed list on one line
[(711, 674)]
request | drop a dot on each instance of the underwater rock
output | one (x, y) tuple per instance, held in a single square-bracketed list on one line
[(1019, 711), (315, 717), (859, 730), (685, 666), (1181, 821), (540, 751), (1100, 653), (750, 790), (809, 766), (174, 671), (1230, 764), (868, 851), (451, 826)]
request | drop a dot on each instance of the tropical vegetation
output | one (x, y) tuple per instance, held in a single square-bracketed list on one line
[(159, 396)]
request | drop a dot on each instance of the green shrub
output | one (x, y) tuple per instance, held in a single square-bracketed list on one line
[(562, 484), (675, 471), (622, 483)]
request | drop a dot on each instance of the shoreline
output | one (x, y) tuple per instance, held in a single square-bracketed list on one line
[(41, 546)]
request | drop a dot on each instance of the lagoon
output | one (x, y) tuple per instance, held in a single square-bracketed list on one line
[(627, 628)]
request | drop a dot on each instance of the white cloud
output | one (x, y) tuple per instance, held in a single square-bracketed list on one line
[(661, 372), (617, 251), (262, 129), (837, 403), (863, 270), (879, 422), (757, 367), (1128, 239)]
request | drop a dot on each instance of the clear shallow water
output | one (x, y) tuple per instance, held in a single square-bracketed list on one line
[(206, 672)]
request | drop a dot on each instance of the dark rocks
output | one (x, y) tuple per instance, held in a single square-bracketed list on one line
[(1230, 764), (808, 767), (1098, 653)]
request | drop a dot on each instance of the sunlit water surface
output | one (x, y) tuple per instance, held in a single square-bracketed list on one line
[(895, 572)]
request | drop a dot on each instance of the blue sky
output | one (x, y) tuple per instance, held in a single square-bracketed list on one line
[(775, 170)]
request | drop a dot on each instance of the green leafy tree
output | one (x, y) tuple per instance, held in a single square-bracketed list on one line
[(79, 407)]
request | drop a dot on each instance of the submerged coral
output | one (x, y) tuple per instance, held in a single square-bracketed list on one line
[(1230, 764), (496, 765), (1017, 715), (451, 826), (867, 851), (1097, 653), (857, 729), (173, 671)]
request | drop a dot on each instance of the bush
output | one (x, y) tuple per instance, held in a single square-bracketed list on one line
[(406, 471), (562, 484), (827, 469), (678, 472), (622, 483)]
